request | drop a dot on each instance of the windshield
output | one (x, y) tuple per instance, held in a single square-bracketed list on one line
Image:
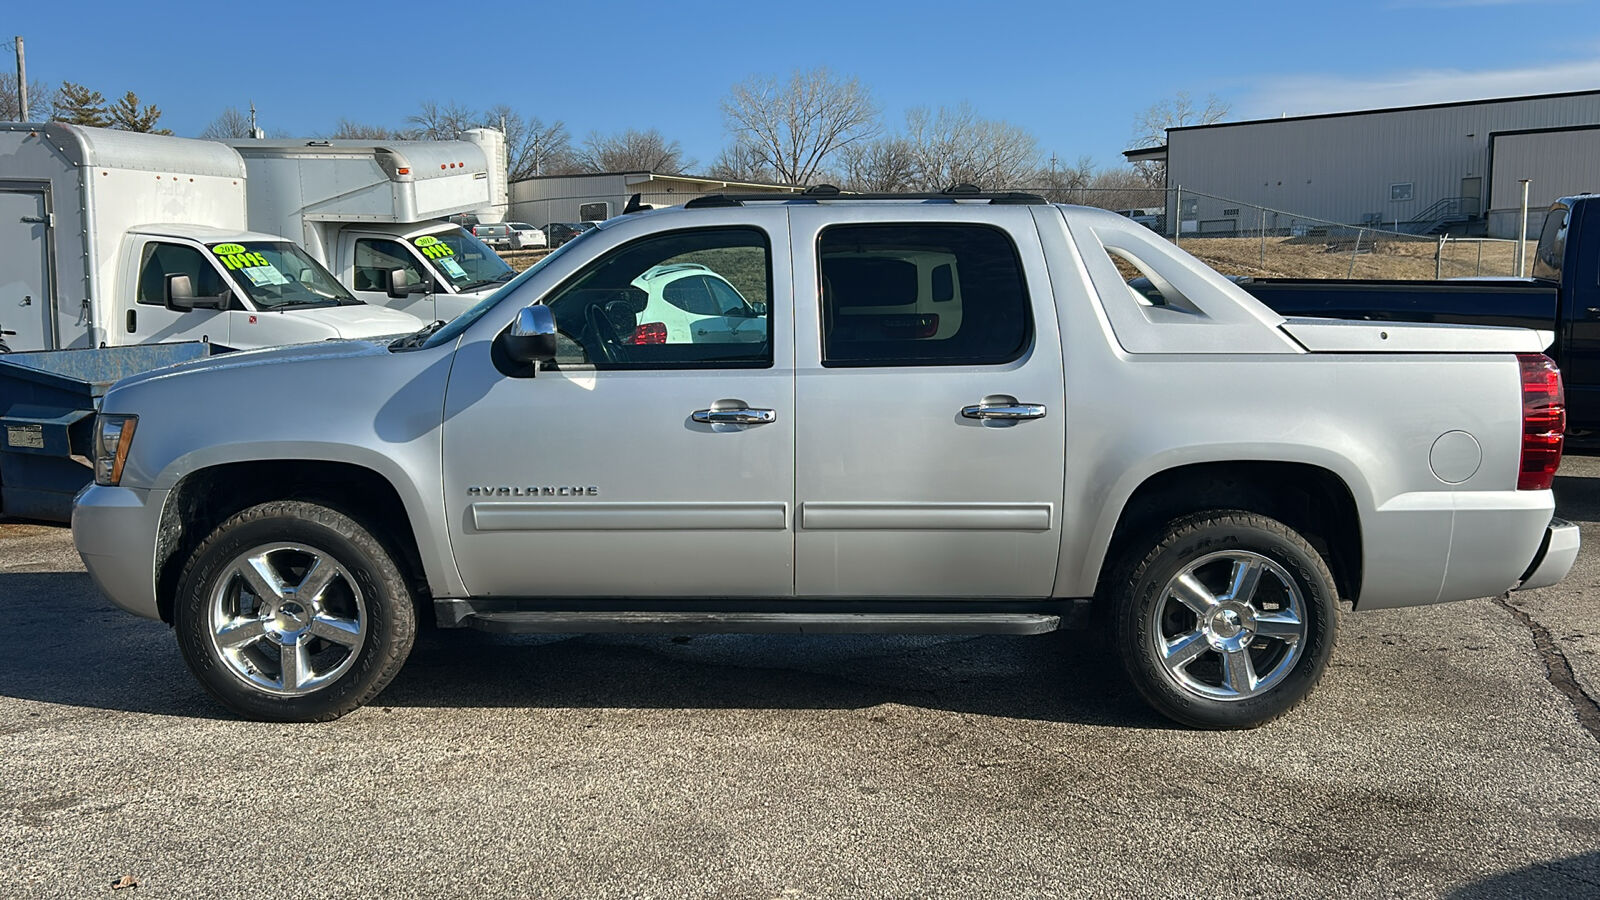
[(461, 260), (464, 321), (279, 275), (1552, 245)]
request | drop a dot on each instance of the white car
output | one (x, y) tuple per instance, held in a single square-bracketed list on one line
[(687, 303), (526, 237)]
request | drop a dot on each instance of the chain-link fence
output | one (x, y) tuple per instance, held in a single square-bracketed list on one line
[(1239, 238), (1231, 236)]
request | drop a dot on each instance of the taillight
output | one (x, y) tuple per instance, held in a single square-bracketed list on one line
[(656, 333), (1544, 421)]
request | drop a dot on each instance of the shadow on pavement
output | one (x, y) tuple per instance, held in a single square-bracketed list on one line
[(65, 643), (1575, 876), (62, 642), (1577, 498)]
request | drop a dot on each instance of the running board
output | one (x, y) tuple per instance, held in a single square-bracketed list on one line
[(581, 622)]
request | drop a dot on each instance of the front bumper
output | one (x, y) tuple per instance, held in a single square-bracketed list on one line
[(1555, 557), (115, 530)]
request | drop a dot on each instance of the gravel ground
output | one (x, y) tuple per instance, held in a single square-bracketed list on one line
[(1452, 750)]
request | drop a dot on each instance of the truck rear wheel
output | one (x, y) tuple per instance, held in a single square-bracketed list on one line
[(293, 612), (1224, 619)]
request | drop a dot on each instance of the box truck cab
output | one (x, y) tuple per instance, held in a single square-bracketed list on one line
[(433, 270), (373, 213), (111, 237), (238, 289)]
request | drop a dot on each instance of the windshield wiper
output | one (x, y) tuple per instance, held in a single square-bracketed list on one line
[(294, 304), (478, 284), (417, 338)]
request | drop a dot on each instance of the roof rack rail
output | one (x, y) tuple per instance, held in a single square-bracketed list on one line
[(821, 192)]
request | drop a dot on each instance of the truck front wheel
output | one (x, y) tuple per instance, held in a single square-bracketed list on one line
[(293, 612), (1224, 619)]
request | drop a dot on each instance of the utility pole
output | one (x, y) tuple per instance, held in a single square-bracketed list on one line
[(1522, 232), (22, 81)]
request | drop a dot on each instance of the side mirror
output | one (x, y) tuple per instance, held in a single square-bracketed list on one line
[(179, 295), (758, 308), (531, 339), (400, 287)]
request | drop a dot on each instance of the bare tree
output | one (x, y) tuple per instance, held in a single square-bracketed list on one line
[(955, 145), (532, 147), (1150, 128), (1066, 184), (1121, 188), (41, 98), (795, 126), (233, 122), (632, 151), (740, 162), (128, 115), (436, 121), (349, 130), (885, 164)]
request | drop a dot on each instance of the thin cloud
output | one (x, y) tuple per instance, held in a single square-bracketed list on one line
[(1313, 94)]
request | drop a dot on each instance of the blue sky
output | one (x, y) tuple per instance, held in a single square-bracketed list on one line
[(1075, 74)]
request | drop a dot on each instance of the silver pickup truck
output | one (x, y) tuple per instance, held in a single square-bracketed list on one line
[(823, 413)]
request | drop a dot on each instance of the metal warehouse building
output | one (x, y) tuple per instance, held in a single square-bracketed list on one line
[(1423, 169), (589, 198)]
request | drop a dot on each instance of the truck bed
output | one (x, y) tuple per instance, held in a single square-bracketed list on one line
[(1518, 303)]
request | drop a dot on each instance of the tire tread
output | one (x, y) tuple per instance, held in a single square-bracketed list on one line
[(379, 662), (1129, 635)]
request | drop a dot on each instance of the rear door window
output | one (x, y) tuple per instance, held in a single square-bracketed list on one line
[(921, 295)]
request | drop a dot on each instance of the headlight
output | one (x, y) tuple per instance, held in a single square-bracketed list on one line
[(113, 434)]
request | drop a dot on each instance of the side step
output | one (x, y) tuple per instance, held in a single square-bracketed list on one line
[(582, 622)]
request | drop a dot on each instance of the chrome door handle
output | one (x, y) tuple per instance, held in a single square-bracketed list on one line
[(735, 416), (1009, 412)]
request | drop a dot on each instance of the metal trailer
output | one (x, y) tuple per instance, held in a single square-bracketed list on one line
[(47, 404), (68, 197), (310, 190)]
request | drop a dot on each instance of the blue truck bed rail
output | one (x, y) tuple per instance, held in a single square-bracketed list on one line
[(47, 404)]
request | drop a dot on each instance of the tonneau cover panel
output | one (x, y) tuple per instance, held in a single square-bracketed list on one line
[(1349, 336)]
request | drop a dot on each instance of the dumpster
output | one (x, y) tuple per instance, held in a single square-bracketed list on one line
[(47, 404)]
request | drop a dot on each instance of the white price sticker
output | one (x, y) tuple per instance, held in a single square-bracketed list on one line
[(261, 276)]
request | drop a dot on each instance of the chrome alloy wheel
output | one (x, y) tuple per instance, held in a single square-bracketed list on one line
[(287, 618), (1230, 625)]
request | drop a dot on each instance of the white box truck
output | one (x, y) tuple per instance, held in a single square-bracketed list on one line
[(110, 238), (371, 212)]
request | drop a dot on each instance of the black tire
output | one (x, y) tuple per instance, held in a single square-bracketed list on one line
[(1146, 616), (367, 582)]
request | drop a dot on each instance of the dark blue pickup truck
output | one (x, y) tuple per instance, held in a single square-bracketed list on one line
[(1562, 297)]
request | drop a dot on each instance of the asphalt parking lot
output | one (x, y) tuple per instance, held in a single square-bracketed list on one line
[(1451, 750)]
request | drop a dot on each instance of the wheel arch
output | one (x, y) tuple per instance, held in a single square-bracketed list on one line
[(1310, 498), (201, 500)]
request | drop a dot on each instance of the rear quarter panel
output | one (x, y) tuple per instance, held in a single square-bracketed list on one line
[(1370, 419)]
